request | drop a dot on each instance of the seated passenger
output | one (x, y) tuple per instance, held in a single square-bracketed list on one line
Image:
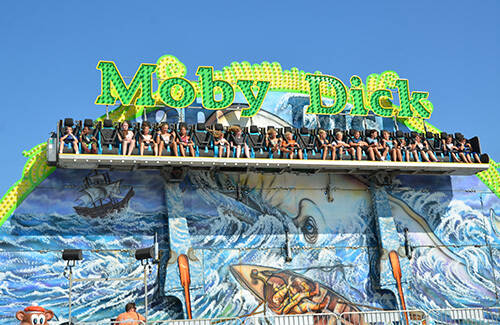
[(222, 143), (466, 149), (289, 145), (358, 145), (184, 141), (403, 148), (449, 147), (325, 145), (374, 146), (423, 148), (88, 141), (238, 141), (127, 138), (166, 139), (340, 145), (391, 147), (273, 143), (146, 138), (68, 139)]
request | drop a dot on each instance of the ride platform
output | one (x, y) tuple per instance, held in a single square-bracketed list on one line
[(118, 162)]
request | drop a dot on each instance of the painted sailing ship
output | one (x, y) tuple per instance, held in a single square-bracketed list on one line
[(100, 196)]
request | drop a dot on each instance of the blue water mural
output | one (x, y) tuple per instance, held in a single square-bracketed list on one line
[(234, 230), (227, 219)]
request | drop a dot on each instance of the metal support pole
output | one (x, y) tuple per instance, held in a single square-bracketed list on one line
[(69, 298), (146, 291), (107, 112)]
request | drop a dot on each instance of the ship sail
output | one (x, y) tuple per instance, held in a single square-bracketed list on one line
[(98, 193), (100, 197), (97, 179), (113, 189)]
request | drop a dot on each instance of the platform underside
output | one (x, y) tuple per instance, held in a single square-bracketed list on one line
[(114, 162)]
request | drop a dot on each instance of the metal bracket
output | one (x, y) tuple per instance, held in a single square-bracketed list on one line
[(381, 178), (330, 189), (173, 174)]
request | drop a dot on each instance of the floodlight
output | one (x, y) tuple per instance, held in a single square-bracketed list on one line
[(144, 253), (72, 255)]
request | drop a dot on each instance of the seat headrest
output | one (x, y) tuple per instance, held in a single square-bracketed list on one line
[(429, 135), (181, 124), (399, 134), (201, 127), (254, 129), (68, 122), (107, 123), (304, 130), (413, 134), (88, 122), (458, 135), (219, 127), (444, 135), (287, 129)]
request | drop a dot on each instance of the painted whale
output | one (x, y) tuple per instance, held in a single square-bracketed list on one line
[(309, 208)]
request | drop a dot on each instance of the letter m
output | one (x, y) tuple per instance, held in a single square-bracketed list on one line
[(111, 77)]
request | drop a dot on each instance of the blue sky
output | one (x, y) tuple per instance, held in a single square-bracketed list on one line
[(49, 51)]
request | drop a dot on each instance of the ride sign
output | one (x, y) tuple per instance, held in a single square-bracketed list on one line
[(218, 92)]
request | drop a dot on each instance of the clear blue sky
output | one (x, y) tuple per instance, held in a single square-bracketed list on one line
[(49, 51)]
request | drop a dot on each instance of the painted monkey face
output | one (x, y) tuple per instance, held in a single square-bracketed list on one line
[(34, 318), (38, 319)]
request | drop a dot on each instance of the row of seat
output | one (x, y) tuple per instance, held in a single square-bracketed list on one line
[(106, 134)]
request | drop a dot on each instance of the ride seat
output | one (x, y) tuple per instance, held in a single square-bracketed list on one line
[(203, 141), (257, 142), (108, 138), (307, 141)]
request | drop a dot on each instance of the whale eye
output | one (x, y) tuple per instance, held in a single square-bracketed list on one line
[(310, 230), (35, 320), (41, 320)]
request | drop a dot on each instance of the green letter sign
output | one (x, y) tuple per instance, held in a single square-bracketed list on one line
[(254, 82), (316, 106), (375, 102), (188, 93), (357, 97), (255, 102), (142, 79), (208, 85), (411, 105)]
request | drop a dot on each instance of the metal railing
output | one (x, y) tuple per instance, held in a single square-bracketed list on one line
[(465, 316), (460, 316)]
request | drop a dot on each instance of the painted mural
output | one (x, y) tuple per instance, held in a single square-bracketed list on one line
[(233, 228), (255, 243)]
